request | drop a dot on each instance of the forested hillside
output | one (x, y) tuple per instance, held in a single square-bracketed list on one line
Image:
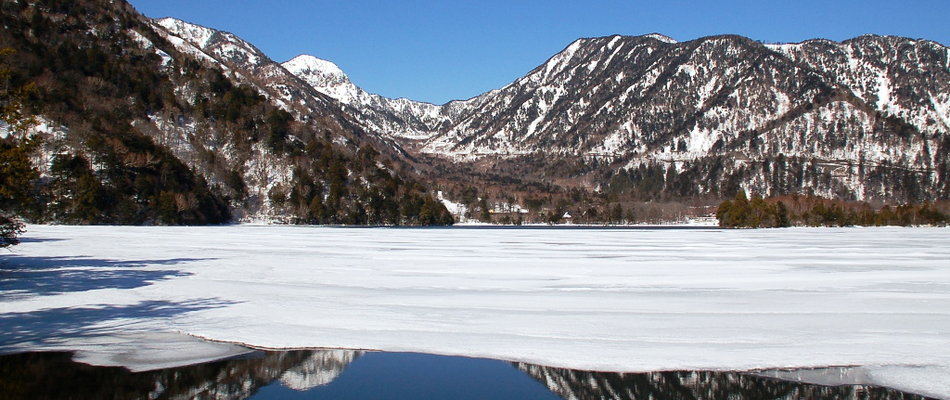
[(104, 83)]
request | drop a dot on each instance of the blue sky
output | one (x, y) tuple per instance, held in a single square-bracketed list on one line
[(437, 51)]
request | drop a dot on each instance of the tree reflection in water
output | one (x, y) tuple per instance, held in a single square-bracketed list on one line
[(690, 385), (313, 374)]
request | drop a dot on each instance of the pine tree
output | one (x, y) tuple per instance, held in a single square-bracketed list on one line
[(484, 213), (616, 214), (10, 229), (16, 173)]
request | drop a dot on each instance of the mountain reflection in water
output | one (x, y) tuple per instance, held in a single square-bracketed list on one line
[(343, 374)]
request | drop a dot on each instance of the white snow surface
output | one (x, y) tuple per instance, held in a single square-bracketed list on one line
[(612, 300)]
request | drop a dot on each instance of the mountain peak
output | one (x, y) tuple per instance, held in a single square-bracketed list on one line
[(306, 63), (661, 37), (324, 76)]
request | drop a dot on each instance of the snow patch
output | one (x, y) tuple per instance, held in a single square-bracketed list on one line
[(185, 47), (883, 84), (141, 40), (458, 210), (147, 44)]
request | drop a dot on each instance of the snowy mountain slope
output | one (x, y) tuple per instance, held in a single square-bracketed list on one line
[(899, 76), (244, 62), (617, 96)]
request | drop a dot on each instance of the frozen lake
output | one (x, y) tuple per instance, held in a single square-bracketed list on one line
[(630, 300)]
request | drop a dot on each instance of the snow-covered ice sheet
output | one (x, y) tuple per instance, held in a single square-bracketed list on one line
[(149, 351), (613, 300)]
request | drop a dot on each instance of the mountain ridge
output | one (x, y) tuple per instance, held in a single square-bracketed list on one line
[(654, 35)]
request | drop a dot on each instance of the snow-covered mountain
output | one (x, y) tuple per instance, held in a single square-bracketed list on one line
[(618, 95), (865, 119)]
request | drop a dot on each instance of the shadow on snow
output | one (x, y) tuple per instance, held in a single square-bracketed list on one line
[(51, 325), (39, 240), (22, 277), (25, 277)]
